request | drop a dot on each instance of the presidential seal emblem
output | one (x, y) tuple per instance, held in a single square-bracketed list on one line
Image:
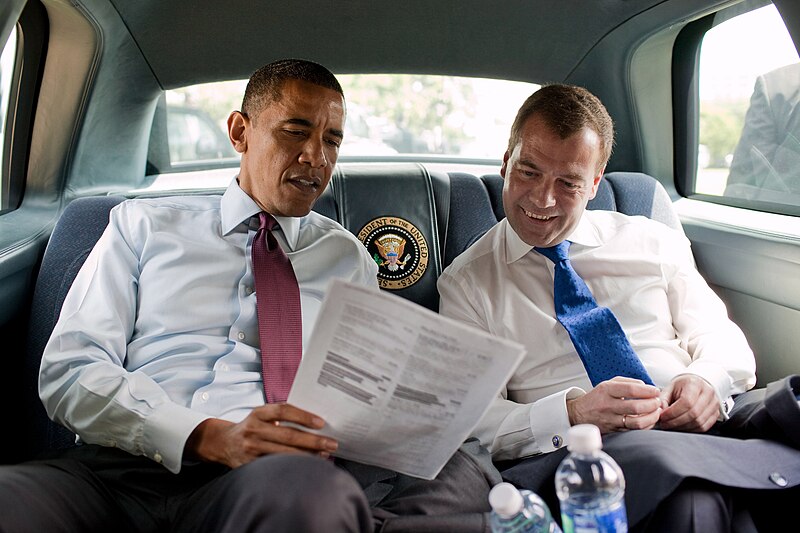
[(399, 249)]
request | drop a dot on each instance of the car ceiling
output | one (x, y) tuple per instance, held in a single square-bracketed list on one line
[(479, 38), (113, 58)]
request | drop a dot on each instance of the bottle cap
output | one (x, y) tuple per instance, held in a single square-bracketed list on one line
[(584, 438), (505, 500)]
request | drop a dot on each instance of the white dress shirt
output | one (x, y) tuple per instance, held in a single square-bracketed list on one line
[(641, 269), (159, 330)]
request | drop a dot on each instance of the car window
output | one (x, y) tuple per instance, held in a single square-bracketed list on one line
[(6, 67), (749, 137), (464, 119)]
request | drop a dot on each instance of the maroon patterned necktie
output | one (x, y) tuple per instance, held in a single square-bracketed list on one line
[(280, 324)]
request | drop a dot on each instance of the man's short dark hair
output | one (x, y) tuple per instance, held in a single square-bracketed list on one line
[(567, 109), (266, 83)]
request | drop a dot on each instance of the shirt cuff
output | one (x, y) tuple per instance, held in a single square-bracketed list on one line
[(165, 433), (550, 420)]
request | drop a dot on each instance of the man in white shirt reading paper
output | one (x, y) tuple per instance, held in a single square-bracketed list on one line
[(179, 341), (622, 332)]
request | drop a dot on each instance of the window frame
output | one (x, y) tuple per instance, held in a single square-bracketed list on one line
[(686, 115), (31, 33)]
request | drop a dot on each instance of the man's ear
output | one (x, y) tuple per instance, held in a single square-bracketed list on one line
[(505, 164), (596, 182), (238, 124)]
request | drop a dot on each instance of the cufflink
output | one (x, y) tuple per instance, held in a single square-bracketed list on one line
[(557, 441)]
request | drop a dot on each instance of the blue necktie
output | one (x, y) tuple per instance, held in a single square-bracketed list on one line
[(594, 330)]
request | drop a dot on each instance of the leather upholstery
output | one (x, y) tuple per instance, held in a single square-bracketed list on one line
[(451, 210), (632, 193)]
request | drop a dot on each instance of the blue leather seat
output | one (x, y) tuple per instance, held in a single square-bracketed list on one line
[(452, 210), (631, 193)]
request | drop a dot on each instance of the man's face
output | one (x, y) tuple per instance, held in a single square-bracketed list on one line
[(290, 148), (549, 181)]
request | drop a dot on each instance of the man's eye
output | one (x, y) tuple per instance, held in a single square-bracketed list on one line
[(295, 133), (334, 142), (571, 186)]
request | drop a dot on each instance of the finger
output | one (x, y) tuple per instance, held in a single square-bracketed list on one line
[(707, 418), (626, 378), (646, 421), (666, 395), (674, 415), (679, 422), (685, 416), (679, 408), (284, 412), (692, 400), (629, 388), (267, 447), (297, 438), (263, 436), (635, 406)]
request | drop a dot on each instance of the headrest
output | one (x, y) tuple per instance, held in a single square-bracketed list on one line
[(400, 213)]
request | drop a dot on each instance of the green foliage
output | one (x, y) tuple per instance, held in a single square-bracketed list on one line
[(216, 99), (720, 128), (420, 113)]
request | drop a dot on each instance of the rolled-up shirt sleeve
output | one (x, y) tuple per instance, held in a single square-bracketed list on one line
[(83, 382)]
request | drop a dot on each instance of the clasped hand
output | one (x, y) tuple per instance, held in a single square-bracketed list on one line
[(262, 432), (618, 404), (689, 403)]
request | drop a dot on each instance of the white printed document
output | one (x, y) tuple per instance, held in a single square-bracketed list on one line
[(399, 386)]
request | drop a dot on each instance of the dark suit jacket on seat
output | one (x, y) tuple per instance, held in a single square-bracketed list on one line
[(655, 462)]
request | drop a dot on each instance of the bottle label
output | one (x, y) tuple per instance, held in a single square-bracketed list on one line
[(609, 520)]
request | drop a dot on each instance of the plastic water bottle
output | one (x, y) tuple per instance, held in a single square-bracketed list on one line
[(519, 511), (590, 486)]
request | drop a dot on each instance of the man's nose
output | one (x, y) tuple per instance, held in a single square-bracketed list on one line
[(542, 195), (313, 153)]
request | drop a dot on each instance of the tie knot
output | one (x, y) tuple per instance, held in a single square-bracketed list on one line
[(267, 221), (557, 253)]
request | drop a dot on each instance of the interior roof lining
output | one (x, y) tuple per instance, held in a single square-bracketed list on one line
[(418, 43)]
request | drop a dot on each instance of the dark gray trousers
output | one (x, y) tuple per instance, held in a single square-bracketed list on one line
[(744, 475), (93, 488)]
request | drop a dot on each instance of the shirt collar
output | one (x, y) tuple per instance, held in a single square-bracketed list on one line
[(238, 208), (585, 234)]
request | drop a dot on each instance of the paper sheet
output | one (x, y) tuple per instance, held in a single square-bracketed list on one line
[(398, 385)]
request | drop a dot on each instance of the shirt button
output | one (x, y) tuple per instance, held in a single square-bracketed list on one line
[(248, 290), (778, 479), (224, 367), (204, 396), (557, 441), (241, 335), (157, 457)]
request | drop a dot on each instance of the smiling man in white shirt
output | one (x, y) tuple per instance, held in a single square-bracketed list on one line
[(644, 273)]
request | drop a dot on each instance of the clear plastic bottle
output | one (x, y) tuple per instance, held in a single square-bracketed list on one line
[(519, 511), (590, 485)]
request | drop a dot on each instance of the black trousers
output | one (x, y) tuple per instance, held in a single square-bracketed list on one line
[(744, 475), (93, 488)]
